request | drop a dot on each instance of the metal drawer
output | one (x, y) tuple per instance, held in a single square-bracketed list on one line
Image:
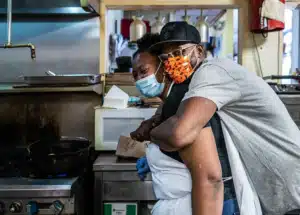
[(128, 191), (290, 99), (123, 176)]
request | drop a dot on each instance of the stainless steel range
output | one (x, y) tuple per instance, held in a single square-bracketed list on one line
[(41, 196), (285, 89), (289, 94)]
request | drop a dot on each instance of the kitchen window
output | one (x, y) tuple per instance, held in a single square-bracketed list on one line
[(291, 46)]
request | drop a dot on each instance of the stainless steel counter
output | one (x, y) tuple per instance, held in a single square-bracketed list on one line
[(117, 181), (22, 195), (109, 162), (24, 187), (7, 88)]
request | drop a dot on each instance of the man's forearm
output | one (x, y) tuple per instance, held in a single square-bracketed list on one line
[(166, 135), (207, 197), (162, 134), (201, 158), (182, 129)]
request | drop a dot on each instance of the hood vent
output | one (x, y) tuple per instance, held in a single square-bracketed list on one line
[(43, 7)]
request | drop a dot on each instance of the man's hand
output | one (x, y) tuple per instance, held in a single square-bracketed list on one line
[(142, 133)]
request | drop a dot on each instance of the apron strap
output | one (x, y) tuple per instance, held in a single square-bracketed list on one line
[(225, 179)]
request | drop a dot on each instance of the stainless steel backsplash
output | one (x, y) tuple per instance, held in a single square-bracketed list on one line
[(25, 118), (63, 46)]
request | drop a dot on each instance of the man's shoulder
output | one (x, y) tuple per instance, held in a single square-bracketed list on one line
[(216, 69), (222, 64), (224, 69)]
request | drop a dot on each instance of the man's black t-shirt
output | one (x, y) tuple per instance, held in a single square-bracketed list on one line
[(170, 107)]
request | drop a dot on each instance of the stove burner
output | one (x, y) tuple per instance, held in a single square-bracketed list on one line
[(63, 175), (12, 169), (24, 168)]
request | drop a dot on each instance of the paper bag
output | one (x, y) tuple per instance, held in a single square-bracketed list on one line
[(130, 148)]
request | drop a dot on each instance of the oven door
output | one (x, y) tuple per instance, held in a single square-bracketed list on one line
[(111, 123)]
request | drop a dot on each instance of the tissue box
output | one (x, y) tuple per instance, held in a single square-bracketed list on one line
[(116, 98)]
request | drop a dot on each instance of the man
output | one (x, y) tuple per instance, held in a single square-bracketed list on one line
[(171, 178), (261, 137)]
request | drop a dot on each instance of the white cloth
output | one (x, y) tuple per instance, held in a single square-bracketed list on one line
[(261, 138), (172, 183), (273, 9), (247, 197)]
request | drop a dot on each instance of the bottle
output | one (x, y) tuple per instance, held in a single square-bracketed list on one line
[(158, 24), (203, 29), (137, 28)]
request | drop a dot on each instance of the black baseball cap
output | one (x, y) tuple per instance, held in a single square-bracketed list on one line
[(180, 32)]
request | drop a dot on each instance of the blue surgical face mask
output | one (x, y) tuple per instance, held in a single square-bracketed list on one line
[(149, 86)]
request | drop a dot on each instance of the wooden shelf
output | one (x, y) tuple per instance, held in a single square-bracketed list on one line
[(155, 4), (124, 79)]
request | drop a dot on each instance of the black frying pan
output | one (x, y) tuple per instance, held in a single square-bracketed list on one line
[(69, 156)]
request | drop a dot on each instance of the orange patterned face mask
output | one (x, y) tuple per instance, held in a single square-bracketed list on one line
[(178, 68)]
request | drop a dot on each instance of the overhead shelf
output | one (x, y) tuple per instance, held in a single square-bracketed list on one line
[(151, 4)]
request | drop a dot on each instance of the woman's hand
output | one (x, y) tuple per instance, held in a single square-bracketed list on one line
[(142, 168)]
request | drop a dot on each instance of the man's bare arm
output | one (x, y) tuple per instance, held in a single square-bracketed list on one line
[(202, 159), (182, 129), (142, 133)]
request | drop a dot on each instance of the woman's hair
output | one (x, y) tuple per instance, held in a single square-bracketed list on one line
[(146, 42)]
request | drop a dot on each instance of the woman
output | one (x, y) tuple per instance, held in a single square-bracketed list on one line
[(171, 178)]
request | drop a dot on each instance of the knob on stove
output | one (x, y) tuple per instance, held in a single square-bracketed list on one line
[(57, 207), (32, 208), (2, 208), (15, 207)]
